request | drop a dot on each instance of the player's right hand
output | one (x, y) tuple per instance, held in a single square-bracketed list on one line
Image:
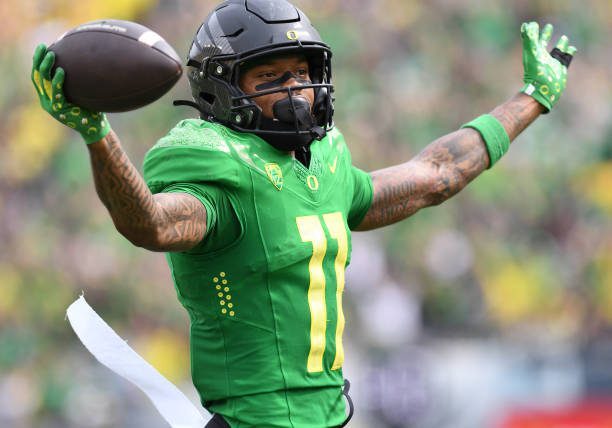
[(92, 126)]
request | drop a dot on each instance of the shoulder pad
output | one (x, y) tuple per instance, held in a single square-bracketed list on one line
[(194, 151), (195, 133)]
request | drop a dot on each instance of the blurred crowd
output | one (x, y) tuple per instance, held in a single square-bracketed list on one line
[(493, 305)]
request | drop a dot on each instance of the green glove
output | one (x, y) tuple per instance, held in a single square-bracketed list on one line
[(545, 73), (92, 126)]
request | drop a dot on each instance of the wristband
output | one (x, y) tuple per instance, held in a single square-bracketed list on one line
[(494, 135), (92, 127)]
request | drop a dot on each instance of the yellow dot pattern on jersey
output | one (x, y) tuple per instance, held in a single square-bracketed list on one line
[(223, 288)]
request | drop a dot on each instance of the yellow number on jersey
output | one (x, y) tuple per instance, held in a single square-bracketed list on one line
[(311, 230)]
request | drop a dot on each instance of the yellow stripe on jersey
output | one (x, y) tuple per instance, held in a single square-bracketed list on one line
[(311, 231), (335, 225)]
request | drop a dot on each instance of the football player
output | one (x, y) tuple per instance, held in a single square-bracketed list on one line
[(254, 202)]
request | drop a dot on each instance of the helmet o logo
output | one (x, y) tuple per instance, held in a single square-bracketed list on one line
[(292, 35)]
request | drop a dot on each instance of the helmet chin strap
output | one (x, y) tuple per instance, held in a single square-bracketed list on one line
[(292, 116), (287, 113), (283, 141)]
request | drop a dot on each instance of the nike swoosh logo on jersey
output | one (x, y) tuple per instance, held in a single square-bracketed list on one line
[(332, 168)]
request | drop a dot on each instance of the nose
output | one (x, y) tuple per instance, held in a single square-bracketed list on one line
[(296, 84), (290, 79), (293, 78)]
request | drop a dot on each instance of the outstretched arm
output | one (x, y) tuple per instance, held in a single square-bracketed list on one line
[(161, 222), (448, 164), (443, 168)]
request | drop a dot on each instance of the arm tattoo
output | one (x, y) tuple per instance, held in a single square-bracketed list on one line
[(162, 222), (443, 168)]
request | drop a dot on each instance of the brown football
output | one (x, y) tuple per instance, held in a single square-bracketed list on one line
[(115, 66)]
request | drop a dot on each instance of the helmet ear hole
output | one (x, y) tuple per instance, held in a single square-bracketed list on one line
[(208, 97)]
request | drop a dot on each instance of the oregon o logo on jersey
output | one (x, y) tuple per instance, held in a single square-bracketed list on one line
[(313, 182)]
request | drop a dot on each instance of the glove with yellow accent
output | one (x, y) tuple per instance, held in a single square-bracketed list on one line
[(545, 73), (92, 126)]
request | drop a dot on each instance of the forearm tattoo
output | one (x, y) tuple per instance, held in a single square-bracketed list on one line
[(442, 169), (162, 222)]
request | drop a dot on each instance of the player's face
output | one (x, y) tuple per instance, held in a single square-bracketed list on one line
[(271, 74)]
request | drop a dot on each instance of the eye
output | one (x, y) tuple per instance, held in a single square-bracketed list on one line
[(267, 75), (302, 72)]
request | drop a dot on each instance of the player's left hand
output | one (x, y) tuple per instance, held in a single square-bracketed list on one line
[(545, 73)]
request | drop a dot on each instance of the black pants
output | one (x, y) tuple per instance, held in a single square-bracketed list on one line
[(217, 422)]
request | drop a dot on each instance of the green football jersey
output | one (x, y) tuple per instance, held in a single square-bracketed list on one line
[(264, 288)]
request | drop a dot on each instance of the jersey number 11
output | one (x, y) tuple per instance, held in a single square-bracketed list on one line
[(311, 230)]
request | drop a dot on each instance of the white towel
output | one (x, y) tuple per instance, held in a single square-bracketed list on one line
[(114, 353)]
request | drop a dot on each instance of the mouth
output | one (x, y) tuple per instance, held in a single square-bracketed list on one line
[(294, 110)]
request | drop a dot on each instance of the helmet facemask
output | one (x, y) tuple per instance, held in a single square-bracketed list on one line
[(220, 98), (296, 116)]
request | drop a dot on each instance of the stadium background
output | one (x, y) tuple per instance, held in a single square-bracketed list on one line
[(492, 306)]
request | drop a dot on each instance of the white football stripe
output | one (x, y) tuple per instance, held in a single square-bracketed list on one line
[(62, 36), (114, 353), (150, 38)]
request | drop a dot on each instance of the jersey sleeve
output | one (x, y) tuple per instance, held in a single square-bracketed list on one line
[(195, 159), (363, 193), (193, 152), (223, 223)]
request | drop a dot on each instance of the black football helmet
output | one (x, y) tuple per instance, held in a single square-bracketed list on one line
[(240, 31)]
